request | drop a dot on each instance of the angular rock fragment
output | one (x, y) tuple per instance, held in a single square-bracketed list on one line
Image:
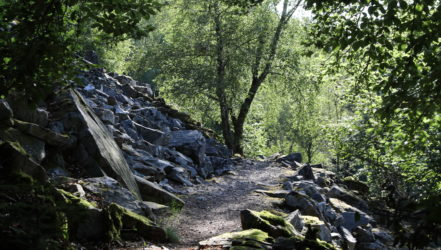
[(153, 192)]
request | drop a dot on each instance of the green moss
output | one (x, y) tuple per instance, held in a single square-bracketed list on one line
[(275, 220), (124, 224), (73, 200), (31, 217), (271, 218), (254, 234), (113, 217), (247, 239), (311, 220)]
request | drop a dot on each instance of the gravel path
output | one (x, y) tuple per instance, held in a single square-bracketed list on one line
[(213, 208)]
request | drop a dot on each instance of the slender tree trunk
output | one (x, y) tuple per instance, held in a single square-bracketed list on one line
[(260, 77), (220, 80)]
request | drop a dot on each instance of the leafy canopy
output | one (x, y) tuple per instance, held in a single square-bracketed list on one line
[(38, 39), (398, 39)]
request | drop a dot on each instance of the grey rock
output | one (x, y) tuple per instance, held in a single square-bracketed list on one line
[(189, 142), (14, 157), (363, 236), (293, 157), (383, 235), (46, 135), (148, 134), (297, 200), (126, 80), (153, 192), (130, 91), (295, 218), (24, 112), (123, 99), (5, 110), (349, 240), (306, 172), (287, 185), (33, 147), (327, 211), (110, 190), (346, 196), (220, 165), (155, 172), (322, 228), (215, 148), (180, 175), (112, 101), (311, 190), (105, 150), (107, 116), (145, 89), (352, 220)]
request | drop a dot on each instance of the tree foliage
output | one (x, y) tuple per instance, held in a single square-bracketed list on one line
[(399, 40), (38, 39)]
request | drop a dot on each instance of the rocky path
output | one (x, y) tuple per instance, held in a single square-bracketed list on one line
[(213, 208)]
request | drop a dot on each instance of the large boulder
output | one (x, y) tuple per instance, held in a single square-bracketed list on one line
[(128, 225), (306, 172), (189, 142), (293, 157), (297, 200), (347, 196), (32, 147), (214, 148), (111, 192), (48, 136), (13, 157), (25, 112), (105, 150)]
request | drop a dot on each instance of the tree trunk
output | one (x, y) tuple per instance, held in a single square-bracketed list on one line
[(220, 80), (259, 78)]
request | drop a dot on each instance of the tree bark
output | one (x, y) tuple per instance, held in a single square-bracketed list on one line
[(259, 78), (220, 80)]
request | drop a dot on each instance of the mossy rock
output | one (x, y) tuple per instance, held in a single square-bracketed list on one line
[(30, 217), (247, 239), (122, 223), (274, 225)]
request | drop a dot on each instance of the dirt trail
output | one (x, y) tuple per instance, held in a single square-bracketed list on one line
[(213, 208)]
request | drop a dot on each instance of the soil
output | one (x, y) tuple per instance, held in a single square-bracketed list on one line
[(213, 208)]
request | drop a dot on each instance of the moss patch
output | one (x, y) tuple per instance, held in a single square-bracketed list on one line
[(247, 239), (125, 224), (30, 218), (274, 225)]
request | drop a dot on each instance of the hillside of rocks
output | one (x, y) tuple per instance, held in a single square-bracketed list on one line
[(107, 147), (106, 162)]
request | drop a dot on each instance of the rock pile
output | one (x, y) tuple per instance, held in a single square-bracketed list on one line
[(111, 147), (320, 215)]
